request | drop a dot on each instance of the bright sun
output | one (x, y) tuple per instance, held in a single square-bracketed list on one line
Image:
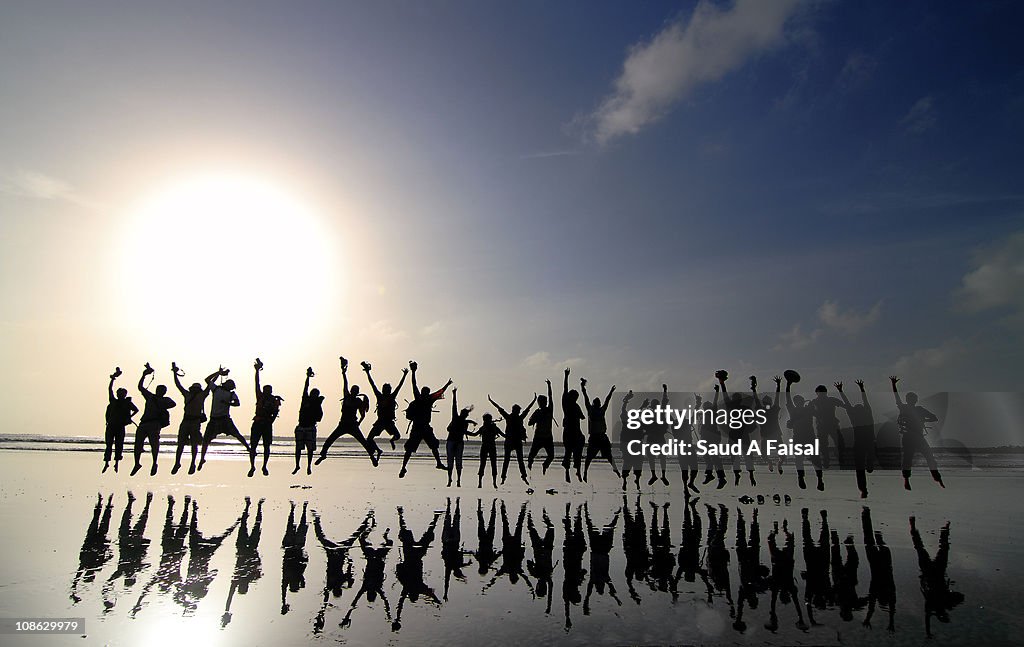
[(226, 261)]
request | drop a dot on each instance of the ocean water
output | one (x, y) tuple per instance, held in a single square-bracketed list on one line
[(354, 555)]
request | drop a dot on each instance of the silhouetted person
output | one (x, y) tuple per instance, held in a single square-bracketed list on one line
[(882, 589), (387, 406), (710, 433), (742, 434), (513, 551), (455, 444), (515, 435), (818, 591), (172, 552), (601, 542), (410, 570), (663, 561), (783, 581), (268, 406), (452, 553), (419, 413), (598, 442), (655, 435), (190, 432), (338, 575), (718, 554), (198, 576), (155, 416), (573, 440), (912, 423), (311, 412), (542, 566), (485, 554), (801, 420), (373, 575), (248, 565), (634, 545), (574, 546), (95, 551), (690, 549), (844, 577), (354, 406), (132, 547), (939, 599), (222, 399), (542, 421), (120, 410), (293, 568), (630, 464), (770, 430), (688, 464), (863, 422), (753, 574), (488, 433), (823, 407)]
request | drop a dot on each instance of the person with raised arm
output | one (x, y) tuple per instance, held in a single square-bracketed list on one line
[(193, 416), (488, 433), (711, 435), (515, 435), (598, 441), (824, 408), (688, 463), (419, 412), (655, 435), (863, 422), (912, 422), (155, 416), (573, 440), (311, 411), (630, 463), (268, 406), (354, 406), (456, 442), (120, 410), (739, 431), (223, 398), (772, 407), (542, 421), (801, 420), (387, 404)]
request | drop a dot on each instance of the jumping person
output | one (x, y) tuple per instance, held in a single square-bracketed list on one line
[(194, 415), (630, 463), (456, 442), (354, 406), (515, 434), (120, 410), (912, 421), (597, 429), (223, 398), (688, 464), (387, 403), (572, 432), (710, 433), (311, 411), (488, 433), (801, 420), (541, 421), (863, 435), (155, 416), (419, 412), (734, 402), (655, 433), (770, 430), (824, 408), (268, 406)]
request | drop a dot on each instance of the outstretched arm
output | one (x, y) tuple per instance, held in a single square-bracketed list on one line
[(211, 378), (257, 369), (551, 402), (177, 383), (110, 388), (565, 382), (583, 388), (895, 393), (344, 376), (526, 411), (405, 373), (608, 398), (142, 381), (504, 414), (373, 385), (455, 403), (305, 387), (415, 386)]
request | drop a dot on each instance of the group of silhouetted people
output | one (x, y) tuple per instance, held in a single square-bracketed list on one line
[(809, 420), (660, 559)]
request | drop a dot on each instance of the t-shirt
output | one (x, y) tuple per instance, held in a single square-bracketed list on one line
[(489, 432), (386, 406), (119, 412), (222, 401), (157, 408), (598, 425), (194, 403), (311, 410), (543, 419), (267, 407), (571, 413)]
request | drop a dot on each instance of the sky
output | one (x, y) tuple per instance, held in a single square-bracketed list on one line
[(645, 192)]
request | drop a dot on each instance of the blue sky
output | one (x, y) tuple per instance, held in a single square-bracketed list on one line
[(645, 191)]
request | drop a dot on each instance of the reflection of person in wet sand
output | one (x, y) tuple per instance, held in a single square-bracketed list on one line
[(689, 550), (132, 546), (818, 592), (410, 570), (601, 542), (373, 573), (753, 574), (338, 575), (172, 551), (95, 551), (663, 562), (574, 545), (939, 599), (247, 557), (783, 582), (634, 545), (844, 577), (882, 589), (485, 554), (912, 422), (293, 567), (718, 554), (542, 566), (198, 576), (513, 551), (452, 553)]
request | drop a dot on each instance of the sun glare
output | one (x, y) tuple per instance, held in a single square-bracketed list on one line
[(225, 261)]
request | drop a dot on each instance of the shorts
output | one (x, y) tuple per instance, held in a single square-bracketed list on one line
[(306, 436), (424, 434), (190, 431)]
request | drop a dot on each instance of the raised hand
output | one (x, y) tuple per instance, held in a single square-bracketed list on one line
[(777, 379), (838, 385), (894, 379), (583, 381), (567, 370), (860, 383), (413, 365)]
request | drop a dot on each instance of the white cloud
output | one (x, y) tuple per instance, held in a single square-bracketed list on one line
[(998, 278), (384, 331), (39, 186), (542, 360), (796, 338), (431, 329), (850, 322), (658, 74), (920, 117), (924, 360)]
